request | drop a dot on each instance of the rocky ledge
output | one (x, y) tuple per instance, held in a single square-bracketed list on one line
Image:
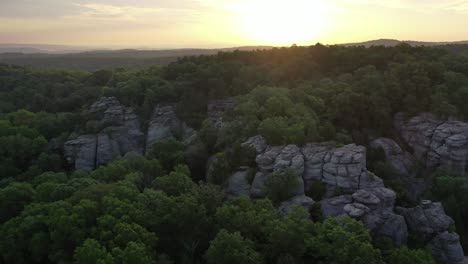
[(438, 144)]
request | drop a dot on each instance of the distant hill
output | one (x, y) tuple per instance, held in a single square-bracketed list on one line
[(106, 59), (83, 58), (40, 48), (394, 42)]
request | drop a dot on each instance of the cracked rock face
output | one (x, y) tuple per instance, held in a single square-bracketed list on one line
[(81, 152), (429, 222), (164, 124), (343, 167), (238, 184), (119, 134), (439, 144), (426, 219), (446, 248), (374, 207), (402, 162)]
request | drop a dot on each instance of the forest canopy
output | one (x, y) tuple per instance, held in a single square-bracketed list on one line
[(158, 206)]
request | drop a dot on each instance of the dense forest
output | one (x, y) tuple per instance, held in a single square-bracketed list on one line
[(163, 204)]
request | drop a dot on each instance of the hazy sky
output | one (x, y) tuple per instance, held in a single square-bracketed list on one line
[(223, 23)]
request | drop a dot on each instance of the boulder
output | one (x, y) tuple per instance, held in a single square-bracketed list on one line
[(426, 219), (374, 207), (300, 200), (258, 188), (256, 142), (335, 206), (446, 248), (238, 184), (356, 210)]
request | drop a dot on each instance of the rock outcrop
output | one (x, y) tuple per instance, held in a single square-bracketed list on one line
[(119, 133), (238, 184), (343, 167), (438, 144), (401, 161), (429, 222), (164, 124), (403, 166), (446, 248), (375, 208), (300, 200)]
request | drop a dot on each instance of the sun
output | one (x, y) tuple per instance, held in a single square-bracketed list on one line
[(281, 22)]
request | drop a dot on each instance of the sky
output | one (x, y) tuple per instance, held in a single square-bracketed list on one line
[(228, 23)]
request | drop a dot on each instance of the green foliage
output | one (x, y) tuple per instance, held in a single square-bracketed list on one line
[(282, 185), (169, 152), (91, 252), (410, 256), (220, 169), (177, 182), (232, 248), (317, 190), (14, 198), (453, 192), (140, 209), (342, 240)]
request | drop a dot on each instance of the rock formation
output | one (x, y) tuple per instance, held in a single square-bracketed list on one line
[(402, 162), (374, 207), (403, 165), (343, 167), (438, 144), (238, 184), (119, 133), (429, 222), (165, 124)]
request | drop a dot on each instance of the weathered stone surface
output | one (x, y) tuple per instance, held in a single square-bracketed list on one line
[(344, 167), (278, 159), (238, 183), (81, 152), (119, 134), (438, 144), (258, 189), (165, 124), (429, 222), (426, 219), (446, 248), (400, 161), (257, 142), (300, 200), (374, 207), (217, 109), (356, 210), (385, 223), (335, 206)]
